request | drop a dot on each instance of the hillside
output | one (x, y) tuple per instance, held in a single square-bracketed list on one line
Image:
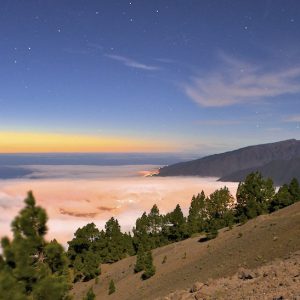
[(224, 164), (281, 171), (258, 242)]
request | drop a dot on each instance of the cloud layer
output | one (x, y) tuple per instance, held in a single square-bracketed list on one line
[(236, 82), (72, 203)]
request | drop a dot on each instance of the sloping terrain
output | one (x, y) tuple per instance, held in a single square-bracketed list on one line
[(281, 171), (223, 164), (278, 280), (256, 243)]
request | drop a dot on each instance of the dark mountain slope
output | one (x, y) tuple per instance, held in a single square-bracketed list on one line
[(281, 171), (223, 164)]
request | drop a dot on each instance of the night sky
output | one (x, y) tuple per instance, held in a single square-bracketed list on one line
[(141, 76)]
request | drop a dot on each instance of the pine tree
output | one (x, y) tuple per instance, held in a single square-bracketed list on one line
[(178, 227), (31, 267), (55, 257), (197, 214), (128, 244), (254, 196), (90, 295), (154, 227), (154, 220), (282, 198), (141, 232), (10, 288), (294, 190), (149, 268), (111, 288), (211, 230), (220, 208), (83, 254), (115, 243), (140, 259)]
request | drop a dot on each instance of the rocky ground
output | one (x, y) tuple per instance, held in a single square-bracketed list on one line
[(278, 281)]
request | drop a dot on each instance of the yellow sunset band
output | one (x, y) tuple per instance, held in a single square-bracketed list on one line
[(27, 142)]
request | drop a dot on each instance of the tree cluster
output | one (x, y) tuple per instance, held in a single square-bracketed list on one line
[(91, 247)]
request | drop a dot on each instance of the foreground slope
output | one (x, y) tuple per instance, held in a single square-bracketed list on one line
[(279, 279), (227, 163), (258, 242)]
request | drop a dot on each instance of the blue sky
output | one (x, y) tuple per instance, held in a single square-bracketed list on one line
[(203, 76)]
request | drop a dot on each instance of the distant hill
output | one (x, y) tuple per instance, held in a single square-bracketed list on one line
[(238, 162)]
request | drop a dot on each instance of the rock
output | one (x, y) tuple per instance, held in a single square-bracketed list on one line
[(180, 295), (196, 287), (245, 274)]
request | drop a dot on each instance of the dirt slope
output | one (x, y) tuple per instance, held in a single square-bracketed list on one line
[(258, 242), (277, 280)]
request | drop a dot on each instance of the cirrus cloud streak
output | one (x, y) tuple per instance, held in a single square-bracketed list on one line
[(132, 63)]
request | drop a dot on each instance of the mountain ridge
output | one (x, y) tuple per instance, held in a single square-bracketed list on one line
[(222, 165)]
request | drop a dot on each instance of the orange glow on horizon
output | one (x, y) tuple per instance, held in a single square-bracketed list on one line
[(32, 142)]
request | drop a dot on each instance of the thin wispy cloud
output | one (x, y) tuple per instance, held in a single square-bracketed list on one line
[(132, 63), (236, 82), (292, 118)]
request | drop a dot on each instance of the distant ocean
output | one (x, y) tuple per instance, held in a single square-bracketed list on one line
[(99, 159), (24, 165)]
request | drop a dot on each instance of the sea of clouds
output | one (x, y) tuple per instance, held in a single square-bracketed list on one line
[(76, 195)]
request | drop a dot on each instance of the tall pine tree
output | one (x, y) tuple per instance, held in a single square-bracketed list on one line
[(197, 214), (254, 196), (31, 267), (83, 254)]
